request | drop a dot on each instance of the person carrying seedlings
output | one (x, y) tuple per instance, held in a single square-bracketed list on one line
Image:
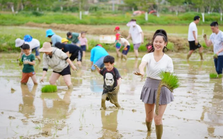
[(83, 43), (54, 38), (156, 62), (59, 62), (98, 54), (117, 43), (74, 38), (192, 38), (216, 39), (34, 45), (74, 50), (136, 33), (28, 60), (112, 80), (125, 43)]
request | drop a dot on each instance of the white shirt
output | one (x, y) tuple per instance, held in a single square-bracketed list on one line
[(153, 68), (217, 41), (123, 41), (135, 33), (33, 44), (192, 27)]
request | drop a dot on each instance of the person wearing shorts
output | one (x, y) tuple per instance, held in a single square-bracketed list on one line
[(59, 62), (28, 60), (192, 38), (75, 51), (98, 54), (135, 32), (125, 43)]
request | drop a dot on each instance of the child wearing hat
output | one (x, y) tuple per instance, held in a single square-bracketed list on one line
[(54, 38), (117, 43), (28, 60), (34, 45)]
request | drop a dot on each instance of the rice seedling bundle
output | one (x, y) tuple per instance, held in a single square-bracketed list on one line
[(213, 75), (168, 80), (49, 89)]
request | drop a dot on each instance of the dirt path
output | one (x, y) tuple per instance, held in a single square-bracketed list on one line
[(179, 42)]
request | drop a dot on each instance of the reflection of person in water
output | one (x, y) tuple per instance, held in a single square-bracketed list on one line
[(213, 114), (55, 109), (96, 86), (109, 124), (27, 108)]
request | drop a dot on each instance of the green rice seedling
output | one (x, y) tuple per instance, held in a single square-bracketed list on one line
[(213, 75), (215, 56), (219, 75), (168, 80), (49, 89), (20, 61)]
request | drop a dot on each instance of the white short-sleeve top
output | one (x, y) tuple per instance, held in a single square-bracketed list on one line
[(153, 68)]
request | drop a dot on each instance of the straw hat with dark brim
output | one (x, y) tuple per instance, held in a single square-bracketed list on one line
[(46, 47)]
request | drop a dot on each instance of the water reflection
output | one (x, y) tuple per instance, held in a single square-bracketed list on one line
[(55, 109), (27, 108), (213, 113), (96, 85), (109, 124)]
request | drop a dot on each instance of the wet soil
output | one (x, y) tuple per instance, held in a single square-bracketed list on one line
[(196, 112)]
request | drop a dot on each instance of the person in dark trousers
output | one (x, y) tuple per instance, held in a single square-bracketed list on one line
[(74, 50), (216, 39)]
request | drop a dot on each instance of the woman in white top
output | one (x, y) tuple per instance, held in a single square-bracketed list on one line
[(155, 63), (59, 62)]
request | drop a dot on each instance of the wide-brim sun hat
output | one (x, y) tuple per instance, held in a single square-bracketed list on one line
[(19, 42), (46, 47), (64, 40), (27, 38), (49, 32)]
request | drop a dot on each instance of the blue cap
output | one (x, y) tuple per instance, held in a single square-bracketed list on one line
[(49, 32), (27, 38)]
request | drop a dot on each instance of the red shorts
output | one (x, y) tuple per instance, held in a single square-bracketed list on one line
[(25, 76)]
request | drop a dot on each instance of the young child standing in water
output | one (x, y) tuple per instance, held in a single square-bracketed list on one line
[(112, 80), (83, 42), (117, 42), (28, 60)]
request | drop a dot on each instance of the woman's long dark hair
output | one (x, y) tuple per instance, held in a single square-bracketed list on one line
[(160, 32)]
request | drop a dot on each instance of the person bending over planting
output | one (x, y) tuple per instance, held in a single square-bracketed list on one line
[(112, 80), (59, 62), (75, 51), (156, 62)]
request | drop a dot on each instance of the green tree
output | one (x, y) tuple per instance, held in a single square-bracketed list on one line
[(176, 4)]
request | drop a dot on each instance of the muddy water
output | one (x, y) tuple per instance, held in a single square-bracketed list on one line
[(196, 113)]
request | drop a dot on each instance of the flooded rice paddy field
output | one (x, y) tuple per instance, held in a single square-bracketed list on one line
[(196, 112)]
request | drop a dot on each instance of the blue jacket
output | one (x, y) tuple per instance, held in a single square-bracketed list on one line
[(97, 52)]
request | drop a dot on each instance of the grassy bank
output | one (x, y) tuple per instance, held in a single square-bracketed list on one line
[(100, 18)]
